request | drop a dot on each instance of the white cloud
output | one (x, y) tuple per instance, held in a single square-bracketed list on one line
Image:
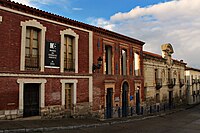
[(176, 22), (77, 9), (34, 3), (25, 2), (101, 22)]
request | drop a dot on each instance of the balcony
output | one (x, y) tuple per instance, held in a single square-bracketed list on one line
[(181, 82), (31, 62), (171, 82), (69, 65), (158, 83)]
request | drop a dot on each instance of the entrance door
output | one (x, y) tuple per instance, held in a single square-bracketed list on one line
[(170, 99), (109, 103), (137, 101), (31, 100), (125, 99)]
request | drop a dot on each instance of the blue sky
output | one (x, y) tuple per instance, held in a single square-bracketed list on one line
[(155, 22), (81, 10)]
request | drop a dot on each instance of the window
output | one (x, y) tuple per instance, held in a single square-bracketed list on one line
[(137, 64), (32, 45), (156, 74), (69, 62), (69, 51), (32, 48), (169, 75), (0, 19), (108, 60), (68, 96), (123, 61), (157, 98)]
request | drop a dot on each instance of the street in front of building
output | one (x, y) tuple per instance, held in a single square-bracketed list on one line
[(187, 121)]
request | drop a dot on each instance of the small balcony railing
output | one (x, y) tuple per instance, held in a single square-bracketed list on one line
[(31, 62), (158, 83), (181, 82), (69, 65), (171, 82)]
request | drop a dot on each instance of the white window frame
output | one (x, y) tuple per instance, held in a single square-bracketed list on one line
[(1, 19), (64, 33), (41, 91), (74, 89), (36, 24)]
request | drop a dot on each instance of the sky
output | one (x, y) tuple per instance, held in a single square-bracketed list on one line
[(155, 22)]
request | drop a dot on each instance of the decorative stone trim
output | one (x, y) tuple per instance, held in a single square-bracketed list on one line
[(1, 19), (36, 24), (21, 91), (76, 36), (74, 82)]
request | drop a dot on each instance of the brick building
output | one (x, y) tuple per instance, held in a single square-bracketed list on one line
[(53, 66), (164, 79)]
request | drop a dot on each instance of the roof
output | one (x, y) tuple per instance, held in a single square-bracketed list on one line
[(160, 57), (191, 68), (50, 16), (152, 54)]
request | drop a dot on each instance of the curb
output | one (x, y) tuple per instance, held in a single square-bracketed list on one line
[(46, 129)]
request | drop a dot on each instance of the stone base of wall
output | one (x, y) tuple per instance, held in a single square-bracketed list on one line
[(82, 110), (10, 114), (53, 112)]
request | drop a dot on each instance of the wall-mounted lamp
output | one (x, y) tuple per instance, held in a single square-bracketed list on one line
[(99, 64)]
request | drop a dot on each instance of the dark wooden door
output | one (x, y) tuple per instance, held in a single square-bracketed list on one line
[(137, 102), (31, 100), (125, 99), (109, 103), (170, 99)]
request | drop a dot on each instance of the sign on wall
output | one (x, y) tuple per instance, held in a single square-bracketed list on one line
[(52, 54)]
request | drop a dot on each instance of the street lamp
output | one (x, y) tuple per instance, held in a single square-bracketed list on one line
[(99, 64)]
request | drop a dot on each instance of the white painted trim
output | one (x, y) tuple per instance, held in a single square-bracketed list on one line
[(55, 22), (41, 76), (90, 52), (32, 23), (74, 90), (21, 91), (1, 19), (90, 90), (76, 36)]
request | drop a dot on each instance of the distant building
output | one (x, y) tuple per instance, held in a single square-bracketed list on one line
[(55, 67), (164, 82), (192, 85)]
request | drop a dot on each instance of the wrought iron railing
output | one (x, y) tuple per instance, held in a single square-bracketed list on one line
[(181, 82), (31, 62), (158, 83), (171, 82), (69, 65)]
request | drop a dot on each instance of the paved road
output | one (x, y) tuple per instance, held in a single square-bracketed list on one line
[(187, 121)]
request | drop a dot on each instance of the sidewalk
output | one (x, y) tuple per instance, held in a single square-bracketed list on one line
[(39, 125)]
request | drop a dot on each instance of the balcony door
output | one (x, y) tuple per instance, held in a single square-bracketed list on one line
[(109, 102)]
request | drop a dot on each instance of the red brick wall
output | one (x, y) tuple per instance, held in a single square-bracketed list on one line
[(10, 42), (9, 93), (99, 77), (83, 90)]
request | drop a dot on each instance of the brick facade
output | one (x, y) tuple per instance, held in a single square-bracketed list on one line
[(88, 92)]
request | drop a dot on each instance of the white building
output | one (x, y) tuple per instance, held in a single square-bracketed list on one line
[(193, 85)]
